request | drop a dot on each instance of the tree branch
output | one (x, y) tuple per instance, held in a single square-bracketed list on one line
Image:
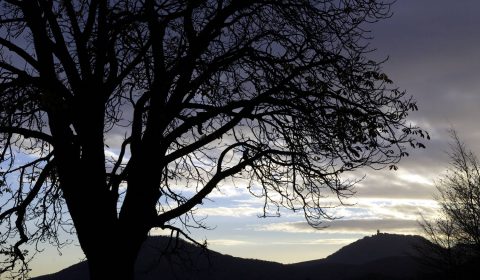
[(20, 52), (212, 183), (60, 46), (27, 133)]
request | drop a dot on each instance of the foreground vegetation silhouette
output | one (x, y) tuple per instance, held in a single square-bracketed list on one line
[(455, 234), (117, 117)]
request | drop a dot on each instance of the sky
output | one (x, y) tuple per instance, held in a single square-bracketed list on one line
[(433, 50)]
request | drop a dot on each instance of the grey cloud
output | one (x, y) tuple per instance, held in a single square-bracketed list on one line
[(434, 54), (392, 225), (391, 184), (361, 226), (370, 225)]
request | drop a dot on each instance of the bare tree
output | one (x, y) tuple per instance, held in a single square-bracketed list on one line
[(455, 234), (109, 108)]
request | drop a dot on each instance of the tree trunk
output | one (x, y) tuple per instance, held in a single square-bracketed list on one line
[(111, 247), (114, 267), (110, 241), (115, 260)]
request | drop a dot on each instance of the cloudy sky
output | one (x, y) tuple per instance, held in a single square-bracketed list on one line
[(434, 53)]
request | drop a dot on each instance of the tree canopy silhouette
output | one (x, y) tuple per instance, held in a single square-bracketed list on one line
[(121, 116), (455, 233)]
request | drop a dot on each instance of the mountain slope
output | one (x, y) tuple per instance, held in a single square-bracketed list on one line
[(177, 260), (383, 256), (375, 247), (371, 248)]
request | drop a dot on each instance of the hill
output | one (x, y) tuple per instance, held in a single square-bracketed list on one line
[(371, 248), (182, 260), (382, 256)]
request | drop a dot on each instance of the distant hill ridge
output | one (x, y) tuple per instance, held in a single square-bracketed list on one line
[(382, 256), (382, 245)]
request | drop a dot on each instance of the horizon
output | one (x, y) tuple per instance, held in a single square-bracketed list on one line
[(210, 248), (397, 254)]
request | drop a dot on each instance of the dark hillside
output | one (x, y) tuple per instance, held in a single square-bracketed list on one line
[(383, 256)]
